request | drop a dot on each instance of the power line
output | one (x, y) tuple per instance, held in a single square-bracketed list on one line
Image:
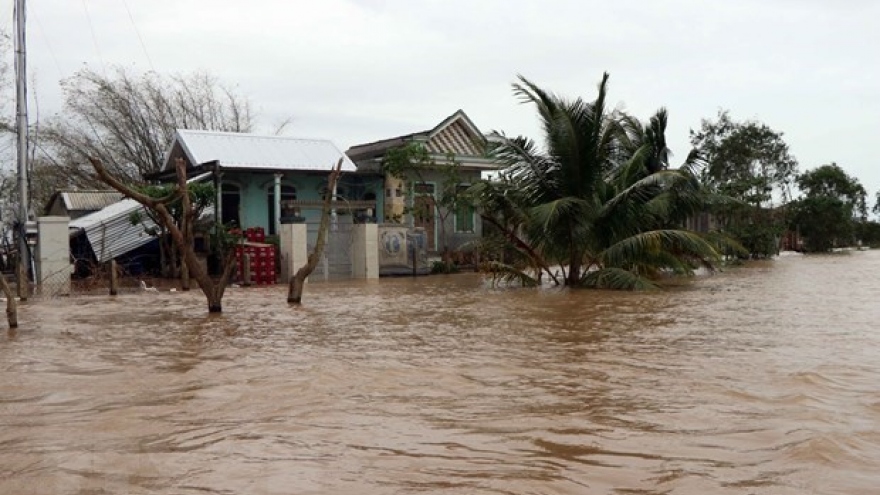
[(94, 37), (140, 38), (48, 43)]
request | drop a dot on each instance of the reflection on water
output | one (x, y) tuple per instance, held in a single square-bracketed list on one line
[(760, 380)]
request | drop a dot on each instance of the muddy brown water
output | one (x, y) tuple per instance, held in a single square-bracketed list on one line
[(760, 380)]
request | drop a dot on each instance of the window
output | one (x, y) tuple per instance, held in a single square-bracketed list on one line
[(288, 193), (230, 200), (464, 212), (423, 188)]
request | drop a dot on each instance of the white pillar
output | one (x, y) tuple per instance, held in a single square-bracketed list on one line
[(365, 251), (219, 205), (53, 256), (334, 220), (293, 244), (277, 218)]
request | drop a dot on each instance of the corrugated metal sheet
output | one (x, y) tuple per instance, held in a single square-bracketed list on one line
[(89, 200), (110, 231), (252, 151)]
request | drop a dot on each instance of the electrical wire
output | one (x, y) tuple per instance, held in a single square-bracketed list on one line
[(140, 38), (42, 30), (94, 37)]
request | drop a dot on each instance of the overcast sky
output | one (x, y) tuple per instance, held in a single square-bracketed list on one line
[(361, 70)]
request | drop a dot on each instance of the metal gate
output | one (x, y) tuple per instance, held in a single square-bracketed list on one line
[(335, 262)]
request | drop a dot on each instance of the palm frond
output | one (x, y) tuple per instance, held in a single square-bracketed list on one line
[(510, 274), (548, 215), (616, 279), (680, 243)]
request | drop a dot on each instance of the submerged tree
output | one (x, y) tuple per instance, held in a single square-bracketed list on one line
[(599, 203), (832, 206), (212, 288), (750, 162), (201, 197)]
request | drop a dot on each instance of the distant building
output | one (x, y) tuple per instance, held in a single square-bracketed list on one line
[(75, 204)]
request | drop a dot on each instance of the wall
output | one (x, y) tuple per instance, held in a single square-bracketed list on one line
[(254, 210), (53, 256), (455, 239)]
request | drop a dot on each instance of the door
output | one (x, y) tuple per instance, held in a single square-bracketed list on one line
[(425, 213)]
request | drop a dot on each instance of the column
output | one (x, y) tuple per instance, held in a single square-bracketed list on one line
[(293, 246), (365, 251), (53, 256), (218, 202), (277, 219)]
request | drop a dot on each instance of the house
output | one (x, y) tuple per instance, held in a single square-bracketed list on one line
[(262, 179), (259, 180), (75, 204), (415, 203)]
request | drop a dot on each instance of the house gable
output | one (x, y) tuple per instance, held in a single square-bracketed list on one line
[(456, 135), (457, 138)]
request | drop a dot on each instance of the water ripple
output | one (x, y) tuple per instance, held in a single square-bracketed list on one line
[(760, 380)]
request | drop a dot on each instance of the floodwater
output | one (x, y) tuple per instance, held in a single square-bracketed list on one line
[(760, 380)]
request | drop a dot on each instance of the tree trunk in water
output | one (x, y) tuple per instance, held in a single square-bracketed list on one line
[(184, 277), (114, 278), (188, 219), (24, 288), (174, 267), (212, 289), (215, 302), (295, 289), (574, 274), (11, 305), (523, 247), (163, 254)]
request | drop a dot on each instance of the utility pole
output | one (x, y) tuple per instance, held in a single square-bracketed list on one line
[(22, 130)]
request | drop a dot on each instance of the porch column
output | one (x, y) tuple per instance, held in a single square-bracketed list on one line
[(218, 202), (334, 225), (277, 219)]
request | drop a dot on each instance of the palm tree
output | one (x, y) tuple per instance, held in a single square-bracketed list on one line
[(598, 202)]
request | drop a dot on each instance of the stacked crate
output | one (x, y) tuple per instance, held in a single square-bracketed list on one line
[(255, 234), (262, 262)]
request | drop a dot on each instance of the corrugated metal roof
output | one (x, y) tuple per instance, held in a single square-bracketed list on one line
[(110, 231), (252, 151), (89, 200)]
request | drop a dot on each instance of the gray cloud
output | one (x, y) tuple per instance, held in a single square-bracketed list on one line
[(361, 70)]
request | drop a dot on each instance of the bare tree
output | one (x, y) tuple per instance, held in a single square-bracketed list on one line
[(127, 121), (182, 235), (297, 282)]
